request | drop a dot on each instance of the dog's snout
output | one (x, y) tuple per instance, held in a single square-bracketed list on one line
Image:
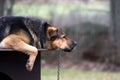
[(67, 50), (71, 48)]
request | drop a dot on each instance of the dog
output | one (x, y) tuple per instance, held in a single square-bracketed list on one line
[(27, 35)]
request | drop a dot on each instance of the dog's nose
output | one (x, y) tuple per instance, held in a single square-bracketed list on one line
[(75, 43), (71, 48)]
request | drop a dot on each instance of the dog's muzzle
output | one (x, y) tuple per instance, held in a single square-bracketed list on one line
[(71, 47)]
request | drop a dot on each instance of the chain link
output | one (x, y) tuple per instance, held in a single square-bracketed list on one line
[(58, 65)]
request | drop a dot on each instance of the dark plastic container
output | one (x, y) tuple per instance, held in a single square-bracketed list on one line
[(12, 65)]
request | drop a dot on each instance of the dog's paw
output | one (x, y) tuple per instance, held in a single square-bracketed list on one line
[(29, 66)]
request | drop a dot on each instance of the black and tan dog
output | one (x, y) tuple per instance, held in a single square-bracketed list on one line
[(28, 34)]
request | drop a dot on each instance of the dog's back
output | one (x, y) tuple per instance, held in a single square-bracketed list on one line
[(11, 25)]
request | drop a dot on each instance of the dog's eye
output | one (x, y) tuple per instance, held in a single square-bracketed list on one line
[(54, 37), (63, 36)]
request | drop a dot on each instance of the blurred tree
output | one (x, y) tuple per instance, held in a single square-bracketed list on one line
[(115, 30), (2, 2), (6, 7), (9, 7)]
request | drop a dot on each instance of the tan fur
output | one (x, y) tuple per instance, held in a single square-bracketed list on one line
[(23, 36), (62, 43)]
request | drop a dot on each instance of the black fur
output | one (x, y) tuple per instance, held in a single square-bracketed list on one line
[(34, 27)]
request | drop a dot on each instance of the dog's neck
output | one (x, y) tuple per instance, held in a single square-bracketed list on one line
[(42, 36)]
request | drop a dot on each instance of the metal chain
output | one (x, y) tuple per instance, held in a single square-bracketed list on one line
[(58, 65)]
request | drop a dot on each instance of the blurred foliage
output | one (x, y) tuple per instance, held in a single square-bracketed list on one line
[(44, 10)]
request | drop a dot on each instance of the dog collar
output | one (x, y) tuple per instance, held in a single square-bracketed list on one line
[(42, 35)]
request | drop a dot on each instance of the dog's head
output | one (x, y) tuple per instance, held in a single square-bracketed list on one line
[(58, 39)]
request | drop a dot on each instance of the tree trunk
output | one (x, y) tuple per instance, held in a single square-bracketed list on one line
[(115, 10), (2, 2), (9, 7)]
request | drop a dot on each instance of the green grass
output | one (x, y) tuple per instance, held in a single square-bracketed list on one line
[(73, 74)]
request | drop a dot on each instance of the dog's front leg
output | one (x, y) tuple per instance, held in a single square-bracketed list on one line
[(17, 44), (31, 60)]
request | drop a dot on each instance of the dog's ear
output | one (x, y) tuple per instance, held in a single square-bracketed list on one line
[(52, 33)]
